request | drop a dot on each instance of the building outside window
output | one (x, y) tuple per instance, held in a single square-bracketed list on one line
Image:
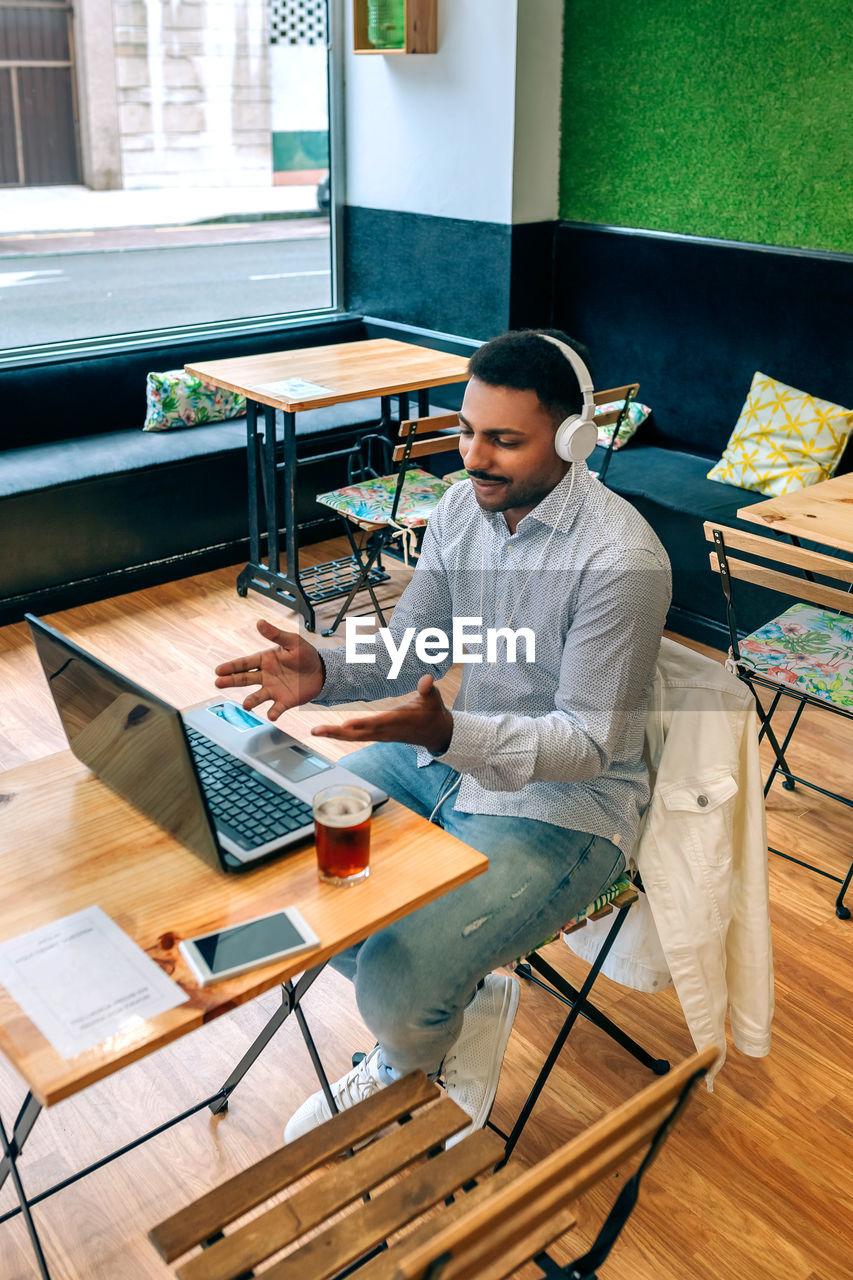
[(164, 164)]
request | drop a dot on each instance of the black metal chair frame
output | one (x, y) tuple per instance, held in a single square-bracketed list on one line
[(755, 681), (579, 1005), (586, 1267)]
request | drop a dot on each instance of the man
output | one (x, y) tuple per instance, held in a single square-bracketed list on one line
[(539, 763)]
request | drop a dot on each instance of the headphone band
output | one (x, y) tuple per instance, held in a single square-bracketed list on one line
[(576, 435), (582, 374)]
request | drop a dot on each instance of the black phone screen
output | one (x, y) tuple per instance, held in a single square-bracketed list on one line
[(245, 943)]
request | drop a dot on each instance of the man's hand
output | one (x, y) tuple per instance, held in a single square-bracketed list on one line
[(422, 720), (289, 675)]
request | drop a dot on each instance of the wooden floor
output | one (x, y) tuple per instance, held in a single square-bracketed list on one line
[(757, 1181)]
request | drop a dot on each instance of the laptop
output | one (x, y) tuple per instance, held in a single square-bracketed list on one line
[(229, 785)]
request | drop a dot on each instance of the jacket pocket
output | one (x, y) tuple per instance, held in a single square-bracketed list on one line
[(700, 812)]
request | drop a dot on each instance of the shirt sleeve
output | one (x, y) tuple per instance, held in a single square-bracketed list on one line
[(395, 668), (605, 676)]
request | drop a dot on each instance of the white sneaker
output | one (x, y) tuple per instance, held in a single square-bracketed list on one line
[(355, 1086), (472, 1067)]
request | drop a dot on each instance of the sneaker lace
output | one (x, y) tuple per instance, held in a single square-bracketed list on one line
[(448, 1070), (359, 1083)]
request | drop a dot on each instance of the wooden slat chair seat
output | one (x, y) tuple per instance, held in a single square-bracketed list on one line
[(619, 896), (804, 653), (395, 505), (336, 1211)]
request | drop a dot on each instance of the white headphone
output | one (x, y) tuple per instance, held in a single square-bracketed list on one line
[(576, 435)]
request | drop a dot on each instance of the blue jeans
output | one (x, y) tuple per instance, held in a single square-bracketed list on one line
[(413, 979)]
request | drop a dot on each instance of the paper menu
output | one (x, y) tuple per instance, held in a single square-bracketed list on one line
[(294, 389), (82, 980)]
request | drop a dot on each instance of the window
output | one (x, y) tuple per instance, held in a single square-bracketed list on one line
[(165, 166)]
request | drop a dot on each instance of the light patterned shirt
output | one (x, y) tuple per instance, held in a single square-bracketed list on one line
[(559, 738)]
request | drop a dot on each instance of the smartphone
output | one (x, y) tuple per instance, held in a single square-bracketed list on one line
[(227, 952)]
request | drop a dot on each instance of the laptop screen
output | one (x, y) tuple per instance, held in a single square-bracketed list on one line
[(131, 740)]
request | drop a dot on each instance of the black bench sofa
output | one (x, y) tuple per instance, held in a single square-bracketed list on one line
[(90, 505)]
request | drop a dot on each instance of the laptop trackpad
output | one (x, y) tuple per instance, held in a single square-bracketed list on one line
[(294, 762)]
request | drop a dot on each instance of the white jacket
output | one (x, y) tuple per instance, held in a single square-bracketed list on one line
[(702, 856)]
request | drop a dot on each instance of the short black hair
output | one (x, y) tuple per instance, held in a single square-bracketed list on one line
[(521, 360)]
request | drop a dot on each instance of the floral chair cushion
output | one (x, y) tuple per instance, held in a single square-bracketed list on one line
[(612, 891), (808, 648), (177, 399), (372, 500), (607, 895), (634, 418)]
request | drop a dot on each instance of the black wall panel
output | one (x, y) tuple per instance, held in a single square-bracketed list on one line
[(693, 320)]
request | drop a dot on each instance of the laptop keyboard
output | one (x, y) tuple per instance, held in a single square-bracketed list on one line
[(246, 806)]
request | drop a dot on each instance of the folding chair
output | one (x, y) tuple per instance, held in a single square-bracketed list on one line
[(619, 896), (392, 505), (805, 653), (622, 398), (466, 1222)]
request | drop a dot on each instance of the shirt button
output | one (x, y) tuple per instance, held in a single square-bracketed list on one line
[(702, 801)]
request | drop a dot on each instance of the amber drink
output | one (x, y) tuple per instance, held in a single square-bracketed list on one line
[(342, 834)]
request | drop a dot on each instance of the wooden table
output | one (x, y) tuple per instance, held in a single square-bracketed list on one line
[(346, 371), (820, 513), (67, 842)]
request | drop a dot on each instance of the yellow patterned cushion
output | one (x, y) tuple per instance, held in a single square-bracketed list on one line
[(783, 440)]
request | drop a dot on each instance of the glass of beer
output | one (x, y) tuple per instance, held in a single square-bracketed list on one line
[(342, 834)]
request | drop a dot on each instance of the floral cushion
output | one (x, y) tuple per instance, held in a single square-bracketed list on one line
[(807, 647), (372, 500), (635, 417), (607, 895), (783, 440), (453, 477), (612, 891), (177, 399)]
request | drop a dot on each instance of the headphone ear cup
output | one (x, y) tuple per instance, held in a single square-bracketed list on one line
[(563, 438), (576, 438), (584, 440)]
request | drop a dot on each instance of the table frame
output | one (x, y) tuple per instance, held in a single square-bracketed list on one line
[(12, 1145), (376, 367), (272, 468)]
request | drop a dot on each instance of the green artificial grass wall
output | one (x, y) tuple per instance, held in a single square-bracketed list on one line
[(721, 118)]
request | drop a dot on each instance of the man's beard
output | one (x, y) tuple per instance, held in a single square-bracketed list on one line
[(512, 496)]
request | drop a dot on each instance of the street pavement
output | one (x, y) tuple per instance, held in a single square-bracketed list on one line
[(23, 244), (37, 209), (50, 297), (74, 265)]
